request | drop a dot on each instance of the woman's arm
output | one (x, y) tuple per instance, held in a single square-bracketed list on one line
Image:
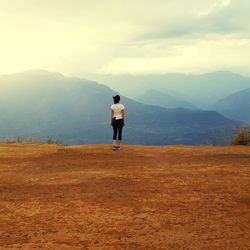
[(111, 116), (123, 115)]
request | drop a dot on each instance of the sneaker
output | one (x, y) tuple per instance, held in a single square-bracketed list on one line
[(118, 147), (114, 148)]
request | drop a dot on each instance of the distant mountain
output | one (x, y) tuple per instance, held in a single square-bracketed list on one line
[(235, 106), (155, 97), (40, 104), (201, 90)]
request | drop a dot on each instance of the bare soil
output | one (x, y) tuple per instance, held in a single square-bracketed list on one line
[(89, 197)]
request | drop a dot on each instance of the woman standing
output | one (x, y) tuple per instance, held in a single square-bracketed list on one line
[(117, 118)]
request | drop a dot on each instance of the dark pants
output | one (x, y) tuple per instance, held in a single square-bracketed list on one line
[(117, 128)]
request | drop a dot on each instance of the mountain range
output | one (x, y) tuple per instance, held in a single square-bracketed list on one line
[(203, 91), (41, 104)]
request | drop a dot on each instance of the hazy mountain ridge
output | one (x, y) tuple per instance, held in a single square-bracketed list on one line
[(41, 104), (202, 90), (155, 97), (235, 106)]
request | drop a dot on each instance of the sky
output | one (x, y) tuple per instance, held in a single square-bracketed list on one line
[(125, 37)]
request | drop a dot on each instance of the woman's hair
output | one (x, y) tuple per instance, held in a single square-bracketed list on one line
[(116, 99)]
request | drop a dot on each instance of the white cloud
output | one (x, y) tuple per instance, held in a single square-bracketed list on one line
[(216, 5), (119, 36), (188, 56)]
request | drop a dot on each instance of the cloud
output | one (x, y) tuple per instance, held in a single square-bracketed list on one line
[(214, 7), (188, 56), (220, 16), (124, 36)]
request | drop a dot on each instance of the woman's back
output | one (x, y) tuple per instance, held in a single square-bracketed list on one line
[(117, 108)]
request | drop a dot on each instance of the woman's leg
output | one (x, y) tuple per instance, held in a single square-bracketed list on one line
[(120, 127), (115, 130)]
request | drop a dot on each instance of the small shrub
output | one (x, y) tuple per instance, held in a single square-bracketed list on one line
[(19, 140), (9, 141), (213, 138), (51, 141), (30, 140), (242, 136)]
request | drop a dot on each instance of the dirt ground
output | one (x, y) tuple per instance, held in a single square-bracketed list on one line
[(89, 197)]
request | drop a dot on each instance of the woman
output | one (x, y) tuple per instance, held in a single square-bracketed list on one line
[(117, 118)]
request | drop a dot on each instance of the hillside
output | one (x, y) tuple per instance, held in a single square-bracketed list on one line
[(235, 106), (41, 104), (89, 197)]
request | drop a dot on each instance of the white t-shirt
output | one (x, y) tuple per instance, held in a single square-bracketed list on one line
[(118, 107)]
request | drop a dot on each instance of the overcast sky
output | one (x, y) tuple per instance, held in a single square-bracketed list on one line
[(125, 36)]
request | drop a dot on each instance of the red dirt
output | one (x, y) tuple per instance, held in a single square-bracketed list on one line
[(89, 197)]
